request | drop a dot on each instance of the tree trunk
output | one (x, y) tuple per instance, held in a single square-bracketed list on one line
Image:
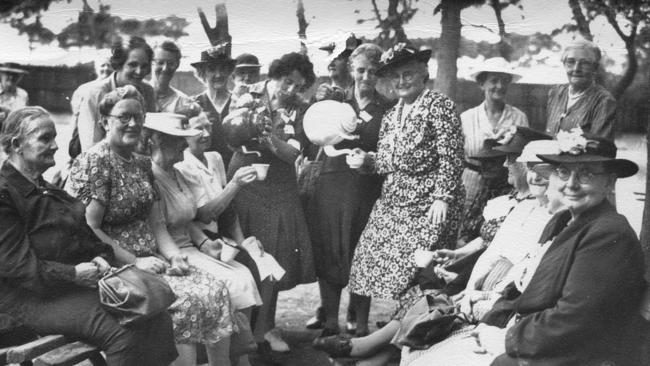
[(645, 223), (581, 21), (446, 78), (302, 27), (630, 71), (505, 49)]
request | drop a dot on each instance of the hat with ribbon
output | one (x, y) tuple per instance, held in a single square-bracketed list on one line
[(521, 138), (578, 147), (173, 124), (342, 47), (488, 152), (219, 54), (401, 54), (496, 65)]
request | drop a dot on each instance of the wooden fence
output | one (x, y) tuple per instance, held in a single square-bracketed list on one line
[(51, 87)]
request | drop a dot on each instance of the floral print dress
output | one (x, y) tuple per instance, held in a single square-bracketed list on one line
[(202, 312), (421, 157)]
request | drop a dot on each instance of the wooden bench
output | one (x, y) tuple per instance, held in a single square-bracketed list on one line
[(53, 350)]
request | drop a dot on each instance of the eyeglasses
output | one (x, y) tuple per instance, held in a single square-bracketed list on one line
[(407, 76), (582, 63), (583, 176), (126, 118)]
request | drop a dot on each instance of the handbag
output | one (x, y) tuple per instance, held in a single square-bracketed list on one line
[(428, 322), (134, 295), (309, 175)]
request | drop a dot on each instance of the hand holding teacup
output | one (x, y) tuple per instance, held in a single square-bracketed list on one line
[(356, 158)]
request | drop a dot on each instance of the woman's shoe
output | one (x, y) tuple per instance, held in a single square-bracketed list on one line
[(335, 346), (318, 320), (275, 340)]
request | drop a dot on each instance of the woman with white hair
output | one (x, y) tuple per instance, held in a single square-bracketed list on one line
[(582, 102)]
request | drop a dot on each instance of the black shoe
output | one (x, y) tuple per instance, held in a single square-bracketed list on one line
[(335, 346), (318, 320)]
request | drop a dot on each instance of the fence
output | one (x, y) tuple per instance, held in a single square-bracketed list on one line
[(51, 87)]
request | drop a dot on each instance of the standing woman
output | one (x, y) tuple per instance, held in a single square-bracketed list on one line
[(344, 197), (492, 119), (270, 209), (420, 153), (131, 64), (166, 59)]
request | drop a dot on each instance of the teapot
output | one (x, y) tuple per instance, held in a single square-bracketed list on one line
[(243, 126), (329, 122)]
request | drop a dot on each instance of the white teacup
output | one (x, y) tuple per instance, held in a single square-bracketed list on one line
[(228, 252), (261, 170), (423, 257), (355, 161)]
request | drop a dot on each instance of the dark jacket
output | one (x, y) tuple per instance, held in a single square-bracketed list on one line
[(582, 304), (43, 235)]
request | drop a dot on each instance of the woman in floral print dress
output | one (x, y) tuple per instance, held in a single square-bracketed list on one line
[(420, 153), (117, 187)]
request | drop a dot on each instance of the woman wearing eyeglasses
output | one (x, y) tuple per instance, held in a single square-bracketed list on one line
[(420, 154), (582, 102)]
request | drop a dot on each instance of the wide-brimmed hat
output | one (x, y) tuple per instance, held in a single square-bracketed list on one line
[(173, 124), (578, 147), (218, 54), (487, 152), (521, 138), (529, 154), (401, 54), (247, 60), (13, 68), (496, 65), (341, 47)]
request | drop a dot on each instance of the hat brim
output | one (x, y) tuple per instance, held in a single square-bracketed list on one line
[(12, 70), (623, 168), (420, 56), (190, 132), (247, 65), (488, 154), (515, 77), (508, 149), (229, 63)]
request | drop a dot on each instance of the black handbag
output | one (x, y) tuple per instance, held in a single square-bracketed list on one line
[(309, 176), (134, 295)]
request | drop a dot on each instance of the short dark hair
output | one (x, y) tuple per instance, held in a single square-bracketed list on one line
[(119, 53), (16, 124), (171, 47), (289, 62)]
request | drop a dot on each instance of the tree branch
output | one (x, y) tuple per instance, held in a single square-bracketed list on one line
[(581, 20)]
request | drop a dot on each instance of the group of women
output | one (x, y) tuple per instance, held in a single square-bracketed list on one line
[(165, 182)]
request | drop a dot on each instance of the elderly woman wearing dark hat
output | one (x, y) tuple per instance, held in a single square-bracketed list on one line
[(492, 119), (246, 73), (578, 302), (214, 70), (420, 153), (11, 96)]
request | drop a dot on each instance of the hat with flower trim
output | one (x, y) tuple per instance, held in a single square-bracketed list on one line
[(401, 54), (578, 147)]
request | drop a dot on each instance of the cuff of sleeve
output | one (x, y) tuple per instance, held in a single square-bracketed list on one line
[(447, 198)]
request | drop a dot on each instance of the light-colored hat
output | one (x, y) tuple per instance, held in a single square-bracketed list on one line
[(496, 65), (170, 124), (533, 148), (12, 68)]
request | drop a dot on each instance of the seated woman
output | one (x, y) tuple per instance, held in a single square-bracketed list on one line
[(51, 260), (124, 211), (577, 303), (167, 138), (524, 220)]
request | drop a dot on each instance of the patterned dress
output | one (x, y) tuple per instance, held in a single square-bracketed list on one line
[(421, 157), (201, 313)]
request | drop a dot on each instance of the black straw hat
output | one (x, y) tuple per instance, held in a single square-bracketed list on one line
[(577, 147), (219, 54), (488, 152), (522, 136), (247, 60), (401, 54)]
